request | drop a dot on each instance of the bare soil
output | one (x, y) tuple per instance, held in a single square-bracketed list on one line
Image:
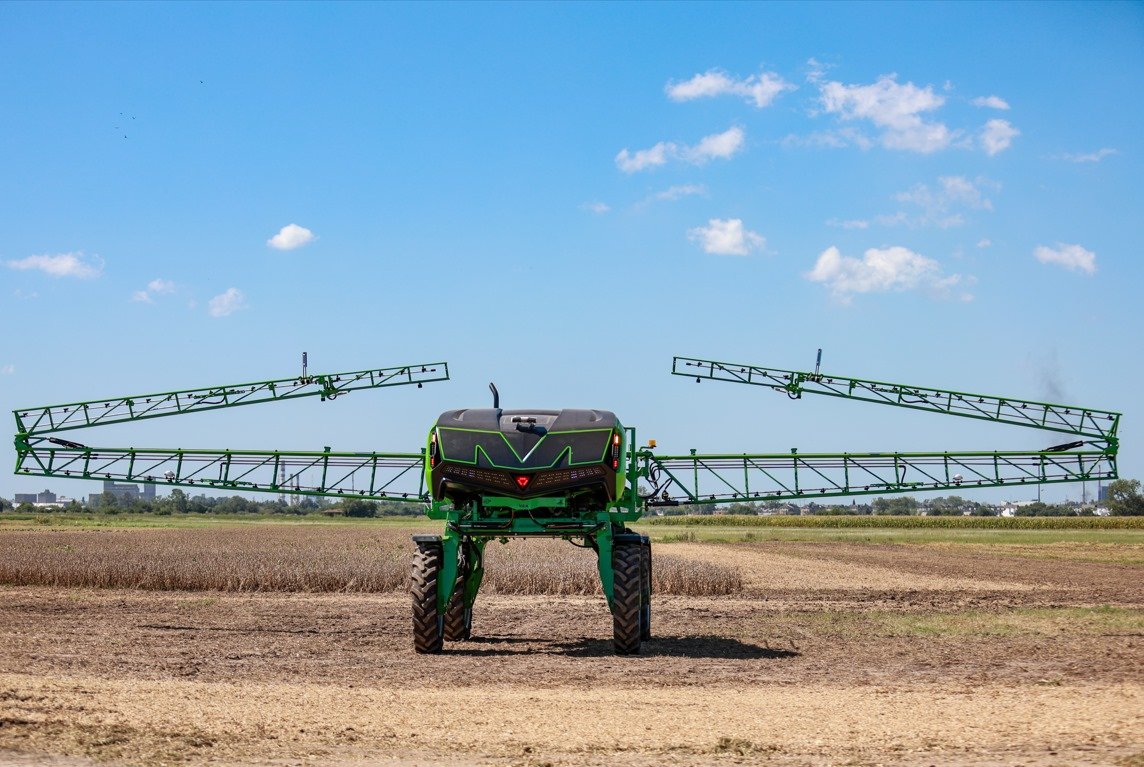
[(834, 654)]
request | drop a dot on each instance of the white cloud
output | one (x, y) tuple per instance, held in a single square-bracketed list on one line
[(895, 108), (157, 286), (992, 102), (25, 295), (290, 237), (882, 270), (940, 205), (641, 159), (726, 237), (984, 242), (718, 145), (760, 89), (681, 190), (7, 370), (997, 135), (1072, 257), (1096, 156), (815, 70), (596, 207), (62, 265), (226, 303)]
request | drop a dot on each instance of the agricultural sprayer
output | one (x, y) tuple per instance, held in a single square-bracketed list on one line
[(576, 474)]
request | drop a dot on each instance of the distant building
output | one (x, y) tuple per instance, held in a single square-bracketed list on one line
[(125, 491), (1102, 493), (46, 497), (25, 498)]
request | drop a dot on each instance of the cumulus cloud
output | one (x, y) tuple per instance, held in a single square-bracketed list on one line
[(596, 207), (984, 242), (1096, 156), (882, 270), (61, 265), (716, 146), (7, 370), (991, 102), (760, 89), (997, 135), (290, 237), (897, 109), (157, 286), (726, 237), (226, 303), (1071, 257), (642, 159)]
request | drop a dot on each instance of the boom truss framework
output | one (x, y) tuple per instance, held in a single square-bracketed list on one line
[(375, 476), (720, 478), (694, 478)]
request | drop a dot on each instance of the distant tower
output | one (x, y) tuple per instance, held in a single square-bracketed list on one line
[(281, 483)]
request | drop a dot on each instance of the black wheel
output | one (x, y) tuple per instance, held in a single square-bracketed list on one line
[(645, 589), (427, 625), (458, 618), (626, 586)]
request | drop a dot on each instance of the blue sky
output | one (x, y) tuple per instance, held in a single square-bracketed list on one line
[(560, 197)]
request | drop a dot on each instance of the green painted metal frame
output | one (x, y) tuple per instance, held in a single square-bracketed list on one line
[(102, 412), (369, 475), (723, 478), (1082, 421), (727, 478)]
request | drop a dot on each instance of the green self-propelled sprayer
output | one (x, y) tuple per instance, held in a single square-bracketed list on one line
[(575, 474)]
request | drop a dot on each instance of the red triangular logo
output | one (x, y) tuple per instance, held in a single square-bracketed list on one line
[(522, 481)]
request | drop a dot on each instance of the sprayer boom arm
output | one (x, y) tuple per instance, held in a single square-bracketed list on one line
[(1081, 421), (101, 412)]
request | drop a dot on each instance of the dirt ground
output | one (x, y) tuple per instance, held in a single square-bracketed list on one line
[(835, 654)]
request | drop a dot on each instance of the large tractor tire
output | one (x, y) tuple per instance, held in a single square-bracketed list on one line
[(427, 625), (645, 589), (458, 618), (626, 587)]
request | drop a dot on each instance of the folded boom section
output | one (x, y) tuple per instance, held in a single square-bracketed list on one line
[(101, 412), (1081, 421)]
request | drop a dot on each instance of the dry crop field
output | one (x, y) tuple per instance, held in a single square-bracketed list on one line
[(289, 644)]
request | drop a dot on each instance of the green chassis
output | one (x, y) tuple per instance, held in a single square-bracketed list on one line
[(501, 518)]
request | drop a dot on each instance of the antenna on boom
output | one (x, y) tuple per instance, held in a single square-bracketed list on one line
[(496, 395)]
